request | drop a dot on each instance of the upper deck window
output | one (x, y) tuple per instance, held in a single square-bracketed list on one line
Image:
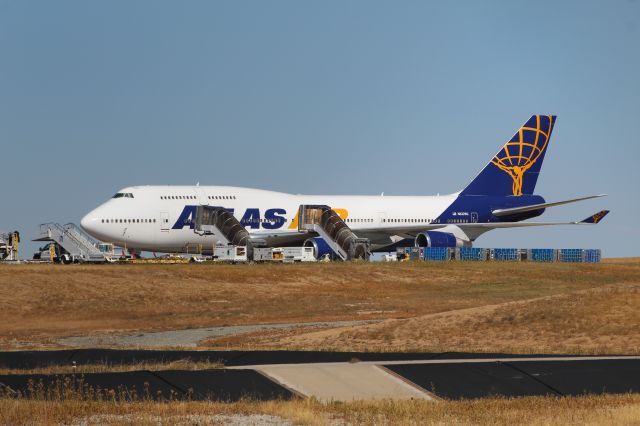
[(123, 195)]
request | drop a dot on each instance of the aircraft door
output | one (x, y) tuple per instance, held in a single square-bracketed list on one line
[(203, 200), (474, 217), (164, 221), (382, 218)]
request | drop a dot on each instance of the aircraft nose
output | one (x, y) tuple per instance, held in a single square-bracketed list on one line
[(89, 222)]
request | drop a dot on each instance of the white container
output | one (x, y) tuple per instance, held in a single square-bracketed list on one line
[(230, 253), (268, 254), (390, 257), (298, 254)]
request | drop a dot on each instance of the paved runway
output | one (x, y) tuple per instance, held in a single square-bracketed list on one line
[(37, 359), (524, 378), (214, 385), (342, 376)]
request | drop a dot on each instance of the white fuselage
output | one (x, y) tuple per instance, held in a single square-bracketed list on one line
[(159, 218)]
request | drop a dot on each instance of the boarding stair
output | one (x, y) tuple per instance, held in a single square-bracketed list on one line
[(80, 246), (228, 230), (9, 243), (334, 231)]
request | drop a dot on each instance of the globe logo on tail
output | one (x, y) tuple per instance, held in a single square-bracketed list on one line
[(598, 216), (522, 152)]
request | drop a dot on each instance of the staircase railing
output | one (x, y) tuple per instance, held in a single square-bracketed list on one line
[(335, 232)]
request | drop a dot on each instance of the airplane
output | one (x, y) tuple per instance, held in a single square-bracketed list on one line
[(161, 218)]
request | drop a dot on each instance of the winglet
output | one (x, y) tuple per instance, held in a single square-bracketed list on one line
[(596, 217)]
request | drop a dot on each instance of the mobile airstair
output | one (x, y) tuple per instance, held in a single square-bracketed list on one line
[(224, 226), (9, 243), (334, 231), (78, 244)]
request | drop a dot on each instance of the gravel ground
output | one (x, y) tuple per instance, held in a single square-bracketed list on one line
[(191, 337)]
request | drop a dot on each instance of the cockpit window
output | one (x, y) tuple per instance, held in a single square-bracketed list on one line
[(123, 195)]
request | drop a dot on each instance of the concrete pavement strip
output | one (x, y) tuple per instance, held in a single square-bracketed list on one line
[(449, 361), (343, 382), (348, 381)]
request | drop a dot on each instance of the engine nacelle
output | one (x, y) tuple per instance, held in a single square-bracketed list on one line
[(320, 247), (438, 239)]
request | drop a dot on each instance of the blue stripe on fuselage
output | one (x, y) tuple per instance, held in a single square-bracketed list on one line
[(477, 209)]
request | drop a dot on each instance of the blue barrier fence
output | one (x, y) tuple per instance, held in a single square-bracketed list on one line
[(570, 255), (506, 254), (592, 256), (500, 254), (436, 253), (471, 253), (542, 255)]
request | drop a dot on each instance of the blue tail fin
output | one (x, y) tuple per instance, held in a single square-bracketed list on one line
[(514, 170)]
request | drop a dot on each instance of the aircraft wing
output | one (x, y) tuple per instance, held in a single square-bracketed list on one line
[(473, 229), (591, 220), (281, 238), (533, 207)]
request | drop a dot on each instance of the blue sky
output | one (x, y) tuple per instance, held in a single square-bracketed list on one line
[(338, 97)]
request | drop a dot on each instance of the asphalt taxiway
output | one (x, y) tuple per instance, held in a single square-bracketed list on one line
[(338, 376)]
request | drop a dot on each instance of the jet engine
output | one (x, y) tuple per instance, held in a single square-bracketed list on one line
[(320, 247), (439, 239)]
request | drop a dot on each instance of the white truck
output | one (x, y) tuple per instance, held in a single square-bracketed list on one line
[(298, 254), (283, 254), (268, 254), (230, 253)]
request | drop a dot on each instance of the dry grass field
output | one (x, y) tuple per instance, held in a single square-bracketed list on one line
[(602, 320), (80, 369), (585, 410), (526, 308), (579, 308)]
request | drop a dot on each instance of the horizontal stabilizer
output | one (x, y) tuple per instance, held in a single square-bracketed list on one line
[(596, 217), (533, 207)]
